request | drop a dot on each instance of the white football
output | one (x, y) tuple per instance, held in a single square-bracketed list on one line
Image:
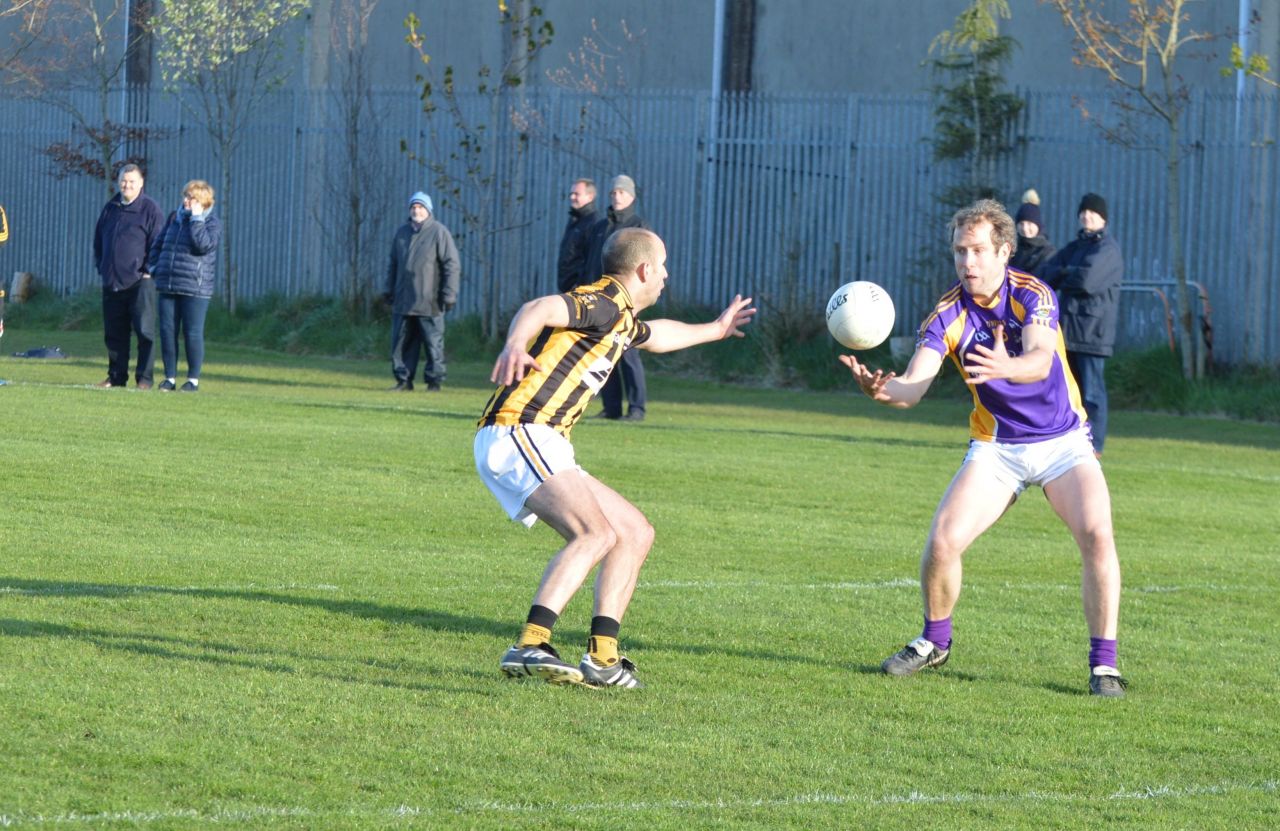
[(860, 315)]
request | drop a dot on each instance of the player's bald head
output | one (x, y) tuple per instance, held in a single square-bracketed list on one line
[(627, 248)]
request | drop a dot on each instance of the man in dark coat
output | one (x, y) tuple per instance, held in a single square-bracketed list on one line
[(126, 228), (571, 265), (422, 285), (1087, 273), (630, 375), (1033, 247)]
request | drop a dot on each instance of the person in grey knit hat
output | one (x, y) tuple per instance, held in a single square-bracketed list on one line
[(1086, 274), (422, 284)]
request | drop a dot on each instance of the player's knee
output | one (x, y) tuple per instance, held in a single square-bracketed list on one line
[(601, 540), (943, 549), (1097, 546), (642, 536)]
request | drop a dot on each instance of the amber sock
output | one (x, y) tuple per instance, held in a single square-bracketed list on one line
[(532, 635), (603, 650), (537, 627), (603, 643)]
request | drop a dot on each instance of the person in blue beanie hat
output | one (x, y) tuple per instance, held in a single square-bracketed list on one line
[(421, 286)]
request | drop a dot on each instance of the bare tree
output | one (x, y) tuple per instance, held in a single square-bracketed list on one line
[(603, 135), (226, 57), (72, 54), (475, 152), (1139, 57), (357, 192)]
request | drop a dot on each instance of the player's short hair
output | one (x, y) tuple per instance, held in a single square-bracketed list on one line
[(589, 184), (626, 248), (1003, 229), (131, 168), (201, 191)]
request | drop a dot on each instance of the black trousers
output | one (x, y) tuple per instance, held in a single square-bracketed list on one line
[(409, 334), (628, 378), (125, 312)]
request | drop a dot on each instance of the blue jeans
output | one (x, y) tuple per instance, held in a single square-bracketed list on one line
[(1088, 371), (182, 311)]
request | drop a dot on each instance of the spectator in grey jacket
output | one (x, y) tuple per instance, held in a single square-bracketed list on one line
[(184, 263), (422, 285), (1087, 273), (122, 240), (572, 263)]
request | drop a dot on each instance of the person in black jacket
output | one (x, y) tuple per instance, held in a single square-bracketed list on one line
[(1033, 247), (122, 240), (630, 377), (571, 264), (1086, 274), (422, 284), (183, 264)]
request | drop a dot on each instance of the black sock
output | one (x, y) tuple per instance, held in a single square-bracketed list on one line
[(607, 626)]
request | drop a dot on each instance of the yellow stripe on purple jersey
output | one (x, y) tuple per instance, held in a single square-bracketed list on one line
[(1003, 410), (575, 360)]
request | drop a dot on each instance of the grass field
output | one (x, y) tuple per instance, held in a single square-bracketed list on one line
[(280, 603)]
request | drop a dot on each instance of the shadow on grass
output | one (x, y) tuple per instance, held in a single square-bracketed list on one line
[(425, 619), (170, 648)]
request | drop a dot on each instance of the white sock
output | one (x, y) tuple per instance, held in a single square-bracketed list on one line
[(195, 382), (171, 381)]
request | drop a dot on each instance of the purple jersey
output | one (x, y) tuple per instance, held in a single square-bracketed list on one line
[(1003, 410)]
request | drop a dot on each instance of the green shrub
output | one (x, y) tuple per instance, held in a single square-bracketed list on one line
[(787, 346)]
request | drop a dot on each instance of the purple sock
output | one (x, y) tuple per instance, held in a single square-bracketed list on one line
[(1102, 653), (938, 631)]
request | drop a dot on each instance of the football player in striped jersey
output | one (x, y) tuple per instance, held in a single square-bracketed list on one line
[(559, 351)]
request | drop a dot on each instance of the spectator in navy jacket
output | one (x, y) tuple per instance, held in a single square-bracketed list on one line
[(126, 228), (184, 263), (1087, 273), (572, 262)]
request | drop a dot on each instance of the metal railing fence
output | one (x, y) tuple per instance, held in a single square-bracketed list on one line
[(786, 198)]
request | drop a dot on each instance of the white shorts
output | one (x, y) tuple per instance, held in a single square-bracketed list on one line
[(1036, 463), (514, 461)]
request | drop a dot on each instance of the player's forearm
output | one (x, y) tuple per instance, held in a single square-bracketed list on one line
[(904, 393), (1030, 367), (673, 335)]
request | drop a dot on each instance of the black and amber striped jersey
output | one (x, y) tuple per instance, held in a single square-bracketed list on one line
[(575, 360)]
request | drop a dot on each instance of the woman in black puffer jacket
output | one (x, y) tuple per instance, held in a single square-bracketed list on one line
[(183, 263)]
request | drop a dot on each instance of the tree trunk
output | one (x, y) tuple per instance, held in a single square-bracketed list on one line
[(228, 267), (1190, 347)]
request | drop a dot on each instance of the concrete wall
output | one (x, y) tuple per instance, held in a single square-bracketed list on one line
[(873, 46), (866, 46)]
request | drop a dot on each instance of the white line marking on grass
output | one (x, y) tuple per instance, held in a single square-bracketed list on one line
[(911, 583), (137, 817)]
